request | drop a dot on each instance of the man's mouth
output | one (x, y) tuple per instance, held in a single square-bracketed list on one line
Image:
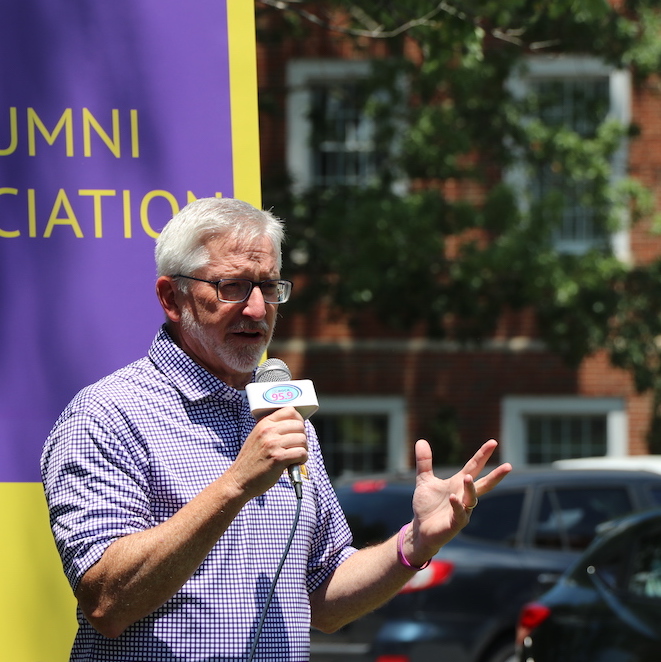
[(250, 333)]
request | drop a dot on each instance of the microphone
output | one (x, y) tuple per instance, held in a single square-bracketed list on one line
[(273, 389)]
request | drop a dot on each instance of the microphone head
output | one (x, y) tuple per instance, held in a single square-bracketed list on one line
[(272, 370)]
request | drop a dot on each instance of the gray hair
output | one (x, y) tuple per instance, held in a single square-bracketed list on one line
[(180, 248)]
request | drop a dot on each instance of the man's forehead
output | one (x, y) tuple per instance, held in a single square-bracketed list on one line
[(239, 250)]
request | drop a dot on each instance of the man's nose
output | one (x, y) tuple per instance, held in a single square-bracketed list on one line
[(255, 305)]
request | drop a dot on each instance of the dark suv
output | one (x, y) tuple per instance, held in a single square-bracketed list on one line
[(607, 606), (464, 606)]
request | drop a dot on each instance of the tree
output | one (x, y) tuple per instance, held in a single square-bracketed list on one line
[(454, 263)]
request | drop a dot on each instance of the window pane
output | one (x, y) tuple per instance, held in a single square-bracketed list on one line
[(553, 437), (497, 519), (610, 563), (568, 517), (580, 105), (646, 567), (342, 146), (375, 517), (353, 443), (656, 495)]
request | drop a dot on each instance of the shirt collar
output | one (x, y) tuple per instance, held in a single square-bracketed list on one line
[(188, 377)]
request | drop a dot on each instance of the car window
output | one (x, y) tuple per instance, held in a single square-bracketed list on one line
[(655, 493), (645, 579), (608, 561), (497, 519), (568, 517), (375, 516), (610, 567)]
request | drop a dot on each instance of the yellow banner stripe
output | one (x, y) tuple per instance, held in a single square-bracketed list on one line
[(243, 97), (37, 609)]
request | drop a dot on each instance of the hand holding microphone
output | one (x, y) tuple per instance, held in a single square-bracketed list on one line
[(273, 389)]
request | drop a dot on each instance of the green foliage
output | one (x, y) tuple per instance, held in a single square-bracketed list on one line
[(450, 123)]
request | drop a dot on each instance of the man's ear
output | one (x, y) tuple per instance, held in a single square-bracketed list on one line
[(168, 296)]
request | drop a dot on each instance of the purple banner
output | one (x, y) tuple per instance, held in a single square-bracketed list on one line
[(113, 115)]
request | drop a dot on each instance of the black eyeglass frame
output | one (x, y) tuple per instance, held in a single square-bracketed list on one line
[(287, 284)]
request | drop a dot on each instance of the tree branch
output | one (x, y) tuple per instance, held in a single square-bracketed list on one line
[(375, 30)]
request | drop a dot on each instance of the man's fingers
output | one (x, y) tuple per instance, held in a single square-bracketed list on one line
[(284, 421), (470, 492), (284, 413), (472, 469), (477, 463), (423, 458), (281, 436), (488, 482)]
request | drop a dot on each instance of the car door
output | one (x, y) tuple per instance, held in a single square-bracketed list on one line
[(562, 523), (624, 623)]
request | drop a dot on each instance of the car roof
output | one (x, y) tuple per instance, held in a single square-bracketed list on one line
[(576, 476), (516, 479), (636, 462)]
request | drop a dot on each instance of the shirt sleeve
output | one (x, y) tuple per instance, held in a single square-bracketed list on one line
[(95, 488), (332, 541)]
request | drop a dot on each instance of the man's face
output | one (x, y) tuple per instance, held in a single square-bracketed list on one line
[(229, 339)]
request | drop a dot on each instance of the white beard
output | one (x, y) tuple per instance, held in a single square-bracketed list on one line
[(236, 356)]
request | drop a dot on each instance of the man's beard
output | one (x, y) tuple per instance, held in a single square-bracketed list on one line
[(235, 355)]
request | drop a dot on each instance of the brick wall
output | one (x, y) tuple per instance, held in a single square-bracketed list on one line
[(367, 360)]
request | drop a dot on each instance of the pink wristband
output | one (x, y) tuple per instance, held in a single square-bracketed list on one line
[(400, 551)]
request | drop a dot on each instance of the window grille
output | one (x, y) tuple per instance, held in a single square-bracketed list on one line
[(342, 145), (353, 443), (556, 437), (580, 104)]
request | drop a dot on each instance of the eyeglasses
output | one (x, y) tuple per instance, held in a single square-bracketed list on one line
[(237, 290)]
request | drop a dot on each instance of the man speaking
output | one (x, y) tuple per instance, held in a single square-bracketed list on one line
[(171, 506)]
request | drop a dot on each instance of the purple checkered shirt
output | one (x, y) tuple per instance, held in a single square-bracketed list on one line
[(127, 453)]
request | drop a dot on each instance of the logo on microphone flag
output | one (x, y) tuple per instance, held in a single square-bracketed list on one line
[(113, 116), (283, 394)]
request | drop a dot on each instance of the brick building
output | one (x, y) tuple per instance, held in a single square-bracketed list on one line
[(380, 391)]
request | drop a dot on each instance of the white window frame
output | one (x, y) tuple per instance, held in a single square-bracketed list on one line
[(579, 66), (514, 410), (393, 407), (301, 74)]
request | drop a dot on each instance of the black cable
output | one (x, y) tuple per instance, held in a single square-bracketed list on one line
[(269, 597)]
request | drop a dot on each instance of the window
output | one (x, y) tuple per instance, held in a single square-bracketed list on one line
[(655, 493), (630, 563), (609, 563), (645, 577), (568, 517), (579, 93), (353, 443), (581, 105), (375, 516), (556, 437), (362, 435), (329, 136), (539, 430), (497, 519), (341, 140)]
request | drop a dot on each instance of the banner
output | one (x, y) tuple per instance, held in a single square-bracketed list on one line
[(113, 115)]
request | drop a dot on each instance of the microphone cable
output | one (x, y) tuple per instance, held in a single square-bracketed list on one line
[(283, 558)]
